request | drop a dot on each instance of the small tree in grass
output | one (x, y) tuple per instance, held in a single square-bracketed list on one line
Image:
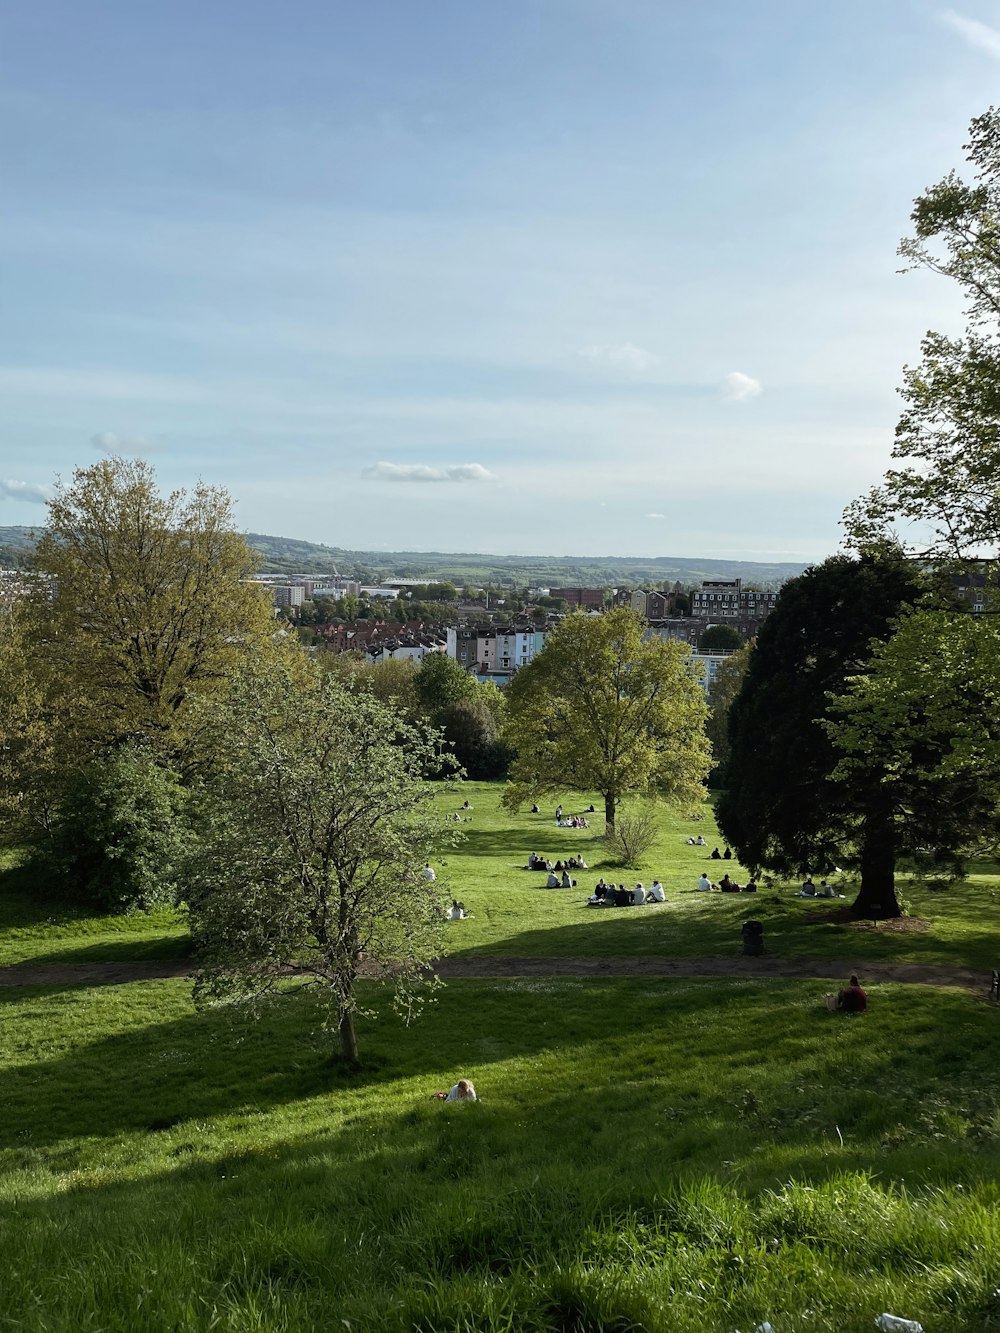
[(314, 835), (632, 836)]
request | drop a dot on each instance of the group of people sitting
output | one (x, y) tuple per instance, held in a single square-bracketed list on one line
[(809, 889), (697, 842), (610, 895), (726, 885), (716, 854), (543, 863)]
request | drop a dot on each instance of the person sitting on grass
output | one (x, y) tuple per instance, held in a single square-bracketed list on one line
[(727, 855), (567, 883), (656, 893), (705, 884), (553, 880), (700, 841), (456, 912), (808, 889), (716, 855), (750, 886), (429, 873), (638, 895), (600, 890), (463, 1091), (825, 890), (728, 885), (852, 999), (535, 810)]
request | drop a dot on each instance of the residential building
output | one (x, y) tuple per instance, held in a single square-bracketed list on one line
[(591, 599)]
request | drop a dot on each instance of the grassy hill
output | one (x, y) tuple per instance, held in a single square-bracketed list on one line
[(689, 1155)]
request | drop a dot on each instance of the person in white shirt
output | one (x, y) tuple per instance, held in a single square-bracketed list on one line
[(553, 880), (656, 893), (456, 912), (638, 895), (701, 841), (429, 874), (705, 884), (463, 1091)]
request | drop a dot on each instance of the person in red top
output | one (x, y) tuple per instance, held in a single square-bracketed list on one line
[(852, 999)]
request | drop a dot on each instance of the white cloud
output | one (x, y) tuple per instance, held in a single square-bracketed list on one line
[(737, 387), (656, 515), (979, 35), (422, 472), (625, 357), (110, 443), (28, 491)]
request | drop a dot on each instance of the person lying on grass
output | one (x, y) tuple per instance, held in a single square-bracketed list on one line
[(463, 1091)]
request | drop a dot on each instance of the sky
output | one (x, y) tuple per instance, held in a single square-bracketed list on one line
[(581, 277)]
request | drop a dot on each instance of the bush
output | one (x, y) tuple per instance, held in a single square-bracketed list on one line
[(631, 838), (117, 834)]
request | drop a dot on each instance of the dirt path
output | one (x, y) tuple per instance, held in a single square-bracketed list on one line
[(116, 974)]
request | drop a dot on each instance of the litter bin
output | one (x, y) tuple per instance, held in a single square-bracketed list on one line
[(753, 938)]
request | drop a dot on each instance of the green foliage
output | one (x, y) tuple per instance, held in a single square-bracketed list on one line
[(314, 834), (780, 809), (947, 491), (600, 708), (720, 639), (441, 682), (722, 691), (117, 834)]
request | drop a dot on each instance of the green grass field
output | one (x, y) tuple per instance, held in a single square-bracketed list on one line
[(662, 1155)]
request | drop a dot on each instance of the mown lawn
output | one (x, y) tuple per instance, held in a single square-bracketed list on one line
[(515, 916), (696, 1155)]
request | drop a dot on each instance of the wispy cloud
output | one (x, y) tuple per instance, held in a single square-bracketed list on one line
[(625, 357), (110, 443), (656, 515), (738, 387), (422, 472), (979, 35), (28, 491)]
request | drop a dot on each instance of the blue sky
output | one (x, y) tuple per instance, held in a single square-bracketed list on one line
[(553, 276)]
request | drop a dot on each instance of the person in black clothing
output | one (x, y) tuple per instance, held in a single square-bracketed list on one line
[(716, 854), (727, 855)]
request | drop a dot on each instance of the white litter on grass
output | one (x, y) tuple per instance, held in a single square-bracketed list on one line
[(894, 1323)]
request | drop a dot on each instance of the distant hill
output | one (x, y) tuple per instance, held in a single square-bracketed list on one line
[(284, 555), (287, 555)]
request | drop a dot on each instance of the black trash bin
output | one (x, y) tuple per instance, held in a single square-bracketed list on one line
[(753, 938)]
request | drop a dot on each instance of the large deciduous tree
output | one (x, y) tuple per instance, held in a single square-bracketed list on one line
[(315, 830), (603, 708), (946, 491), (781, 808), (142, 600)]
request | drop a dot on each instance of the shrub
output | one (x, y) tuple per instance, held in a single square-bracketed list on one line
[(631, 838), (117, 834)]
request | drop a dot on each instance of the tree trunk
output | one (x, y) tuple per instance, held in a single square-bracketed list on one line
[(348, 1039), (876, 898), (609, 813)]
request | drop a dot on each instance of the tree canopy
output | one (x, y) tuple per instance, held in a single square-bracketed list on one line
[(315, 830), (601, 708), (781, 809), (944, 499)]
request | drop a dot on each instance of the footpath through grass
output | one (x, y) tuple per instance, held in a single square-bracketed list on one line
[(674, 1157)]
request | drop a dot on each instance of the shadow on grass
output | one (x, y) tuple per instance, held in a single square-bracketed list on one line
[(121, 949), (521, 1181), (695, 925)]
